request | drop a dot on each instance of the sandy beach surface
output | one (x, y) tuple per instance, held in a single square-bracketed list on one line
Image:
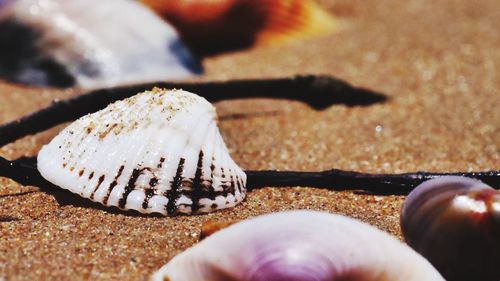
[(438, 61)]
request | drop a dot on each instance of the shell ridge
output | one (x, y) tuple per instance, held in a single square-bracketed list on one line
[(228, 184), (175, 192), (153, 182), (218, 171), (172, 159), (113, 183), (98, 167), (99, 182), (144, 177), (208, 151), (208, 181), (195, 192), (129, 187), (196, 189), (97, 133), (112, 150), (115, 193), (171, 152), (224, 177)]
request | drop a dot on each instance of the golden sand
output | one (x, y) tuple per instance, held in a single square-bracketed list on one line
[(438, 61)]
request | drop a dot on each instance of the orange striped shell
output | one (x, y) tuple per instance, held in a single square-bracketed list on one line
[(226, 24)]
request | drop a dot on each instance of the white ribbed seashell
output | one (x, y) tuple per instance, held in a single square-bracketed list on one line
[(299, 246), (157, 152)]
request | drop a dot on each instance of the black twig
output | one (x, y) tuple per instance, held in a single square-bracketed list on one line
[(348, 180), (24, 171), (317, 91)]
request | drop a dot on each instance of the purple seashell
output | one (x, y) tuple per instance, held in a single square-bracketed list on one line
[(298, 245)]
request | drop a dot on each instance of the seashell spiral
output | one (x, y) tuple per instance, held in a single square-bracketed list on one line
[(454, 222), (157, 152), (298, 246)]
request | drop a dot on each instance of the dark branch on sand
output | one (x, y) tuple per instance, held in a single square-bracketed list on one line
[(317, 91), (348, 180), (24, 172)]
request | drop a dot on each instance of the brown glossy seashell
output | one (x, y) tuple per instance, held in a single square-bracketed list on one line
[(455, 223)]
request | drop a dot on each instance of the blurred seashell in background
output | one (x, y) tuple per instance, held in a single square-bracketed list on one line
[(218, 25), (89, 43), (299, 246), (157, 152), (454, 222)]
